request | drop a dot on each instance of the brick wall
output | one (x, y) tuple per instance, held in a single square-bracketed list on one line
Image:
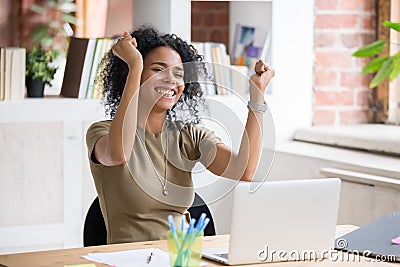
[(9, 22), (17, 22), (341, 92), (210, 22), (28, 20)]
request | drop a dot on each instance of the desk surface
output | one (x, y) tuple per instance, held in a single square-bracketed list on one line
[(53, 258)]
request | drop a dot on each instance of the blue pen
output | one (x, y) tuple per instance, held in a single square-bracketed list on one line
[(182, 226), (173, 230), (192, 231), (200, 221), (206, 221), (191, 226), (201, 229), (189, 231)]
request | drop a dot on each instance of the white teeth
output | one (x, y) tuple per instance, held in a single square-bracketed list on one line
[(166, 92)]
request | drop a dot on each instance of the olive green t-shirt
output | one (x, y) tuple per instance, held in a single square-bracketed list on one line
[(131, 194)]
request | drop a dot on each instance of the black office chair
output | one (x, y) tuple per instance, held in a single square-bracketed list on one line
[(198, 207), (94, 229), (95, 233)]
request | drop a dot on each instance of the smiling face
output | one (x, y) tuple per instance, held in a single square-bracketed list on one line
[(162, 78)]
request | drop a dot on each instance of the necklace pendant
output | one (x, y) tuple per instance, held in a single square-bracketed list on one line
[(165, 191)]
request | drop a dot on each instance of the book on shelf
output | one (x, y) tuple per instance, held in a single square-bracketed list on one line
[(250, 44), (2, 72), (94, 90), (87, 65), (12, 73), (240, 81), (204, 49), (74, 67), (83, 58), (218, 67)]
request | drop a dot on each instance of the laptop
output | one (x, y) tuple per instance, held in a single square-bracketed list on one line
[(374, 239), (281, 221)]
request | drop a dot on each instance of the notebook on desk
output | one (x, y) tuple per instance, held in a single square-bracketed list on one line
[(282, 220), (374, 239)]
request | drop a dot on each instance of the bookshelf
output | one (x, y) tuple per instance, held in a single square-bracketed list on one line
[(44, 171)]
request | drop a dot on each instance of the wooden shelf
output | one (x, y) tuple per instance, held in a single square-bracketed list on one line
[(50, 109)]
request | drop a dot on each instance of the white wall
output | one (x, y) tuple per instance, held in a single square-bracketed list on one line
[(292, 59), (169, 16)]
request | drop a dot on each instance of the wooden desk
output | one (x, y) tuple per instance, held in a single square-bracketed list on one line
[(54, 258)]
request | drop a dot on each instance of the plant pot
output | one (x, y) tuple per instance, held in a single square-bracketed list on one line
[(35, 88)]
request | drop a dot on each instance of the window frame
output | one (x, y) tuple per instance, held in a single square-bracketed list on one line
[(385, 97)]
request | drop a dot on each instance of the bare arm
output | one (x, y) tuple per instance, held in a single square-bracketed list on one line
[(242, 166), (116, 147)]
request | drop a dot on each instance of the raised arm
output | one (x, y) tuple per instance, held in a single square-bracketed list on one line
[(242, 166), (116, 147)]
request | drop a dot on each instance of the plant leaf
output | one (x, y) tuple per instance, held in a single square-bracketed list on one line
[(47, 41), (39, 32), (38, 9), (69, 19), (374, 65), (52, 3), (54, 24), (66, 7), (396, 56), (37, 66), (371, 49), (396, 70), (383, 73), (392, 25)]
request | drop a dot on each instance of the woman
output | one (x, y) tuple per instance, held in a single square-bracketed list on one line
[(141, 160)]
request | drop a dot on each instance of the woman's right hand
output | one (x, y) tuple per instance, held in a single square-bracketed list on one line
[(125, 49)]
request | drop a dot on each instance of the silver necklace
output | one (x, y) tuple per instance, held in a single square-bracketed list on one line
[(163, 184)]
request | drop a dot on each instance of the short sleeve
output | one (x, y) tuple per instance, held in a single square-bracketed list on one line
[(204, 140), (93, 134)]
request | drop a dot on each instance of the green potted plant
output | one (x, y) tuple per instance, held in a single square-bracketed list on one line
[(53, 33), (38, 71), (383, 66)]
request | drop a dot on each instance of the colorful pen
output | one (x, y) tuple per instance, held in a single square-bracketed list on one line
[(173, 230)]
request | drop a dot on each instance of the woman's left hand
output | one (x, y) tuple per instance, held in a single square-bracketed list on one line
[(263, 75)]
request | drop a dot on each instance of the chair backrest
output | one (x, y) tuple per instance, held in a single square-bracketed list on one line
[(198, 207), (94, 230), (95, 233)]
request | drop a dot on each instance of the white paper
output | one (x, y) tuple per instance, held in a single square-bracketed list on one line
[(129, 258)]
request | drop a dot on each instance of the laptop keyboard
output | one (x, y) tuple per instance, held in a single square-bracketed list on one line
[(223, 255)]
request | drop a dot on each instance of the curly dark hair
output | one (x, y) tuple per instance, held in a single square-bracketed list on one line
[(113, 72)]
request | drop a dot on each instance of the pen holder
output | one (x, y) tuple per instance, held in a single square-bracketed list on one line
[(184, 251)]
